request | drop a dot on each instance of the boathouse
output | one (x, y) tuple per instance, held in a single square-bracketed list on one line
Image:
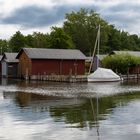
[(97, 61), (9, 65), (36, 61)]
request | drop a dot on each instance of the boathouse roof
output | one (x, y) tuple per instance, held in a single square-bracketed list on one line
[(41, 53), (134, 53), (10, 57)]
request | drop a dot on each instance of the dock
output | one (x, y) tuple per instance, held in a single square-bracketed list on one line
[(131, 77), (74, 78), (59, 78)]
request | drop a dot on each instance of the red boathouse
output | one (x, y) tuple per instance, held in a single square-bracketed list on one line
[(36, 61)]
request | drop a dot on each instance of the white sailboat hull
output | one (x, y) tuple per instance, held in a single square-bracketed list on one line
[(103, 80), (103, 75)]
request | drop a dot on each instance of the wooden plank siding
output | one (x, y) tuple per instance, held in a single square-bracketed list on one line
[(74, 67), (57, 67), (135, 70), (28, 67), (25, 65)]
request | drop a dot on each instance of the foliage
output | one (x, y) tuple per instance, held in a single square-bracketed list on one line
[(56, 39), (82, 26), (40, 40), (59, 39), (114, 39), (17, 42), (120, 63), (37, 40), (3, 46)]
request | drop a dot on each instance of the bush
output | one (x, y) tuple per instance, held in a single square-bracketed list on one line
[(121, 63)]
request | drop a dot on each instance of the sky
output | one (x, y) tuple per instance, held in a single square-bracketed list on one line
[(30, 16)]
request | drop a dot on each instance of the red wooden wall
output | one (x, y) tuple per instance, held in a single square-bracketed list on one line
[(59, 67)]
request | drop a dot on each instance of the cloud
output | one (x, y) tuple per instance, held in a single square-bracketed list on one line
[(31, 15), (123, 15), (35, 16)]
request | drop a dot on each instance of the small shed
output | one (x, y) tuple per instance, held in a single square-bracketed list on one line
[(9, 65), (39, 61), (97, 59)]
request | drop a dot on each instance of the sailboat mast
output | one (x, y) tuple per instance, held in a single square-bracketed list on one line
[(97, 44), (98, 47)]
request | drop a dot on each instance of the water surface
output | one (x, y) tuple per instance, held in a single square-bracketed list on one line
[(76, 111)]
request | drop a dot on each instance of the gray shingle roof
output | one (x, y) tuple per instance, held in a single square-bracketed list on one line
[(101, 57), (134, 53), (10, 57), (37, 53)]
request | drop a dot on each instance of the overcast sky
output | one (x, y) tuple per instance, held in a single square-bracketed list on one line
[(28, 16)]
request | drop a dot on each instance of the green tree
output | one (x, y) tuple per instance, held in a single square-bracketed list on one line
[(59, 39), (127, 42), (40, 40), (82, 26), (114, 39), (17, 42), (136, 39), (3, 46), (29, 41)]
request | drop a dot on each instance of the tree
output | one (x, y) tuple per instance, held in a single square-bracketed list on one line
[(114, 39), (29, 41), (17, 42), (59, 39), (82, 26), (40, 40), (3, 46)]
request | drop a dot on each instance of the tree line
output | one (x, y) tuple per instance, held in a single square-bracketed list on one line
[(78, 32)]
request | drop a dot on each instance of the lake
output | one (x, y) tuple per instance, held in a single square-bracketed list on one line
[(72, 111)]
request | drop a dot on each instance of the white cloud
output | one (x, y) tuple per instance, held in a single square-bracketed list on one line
[(124, 14), (7, 30)]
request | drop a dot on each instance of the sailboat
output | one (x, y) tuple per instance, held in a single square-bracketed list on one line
[(101, 74)]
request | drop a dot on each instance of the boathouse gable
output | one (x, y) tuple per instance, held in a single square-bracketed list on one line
[(25, 64)]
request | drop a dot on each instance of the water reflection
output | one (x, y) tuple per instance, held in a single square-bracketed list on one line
[(55, 111), (78, 112), (71, 89)]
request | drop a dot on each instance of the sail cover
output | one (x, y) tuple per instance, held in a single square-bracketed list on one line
[(103, 75)]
